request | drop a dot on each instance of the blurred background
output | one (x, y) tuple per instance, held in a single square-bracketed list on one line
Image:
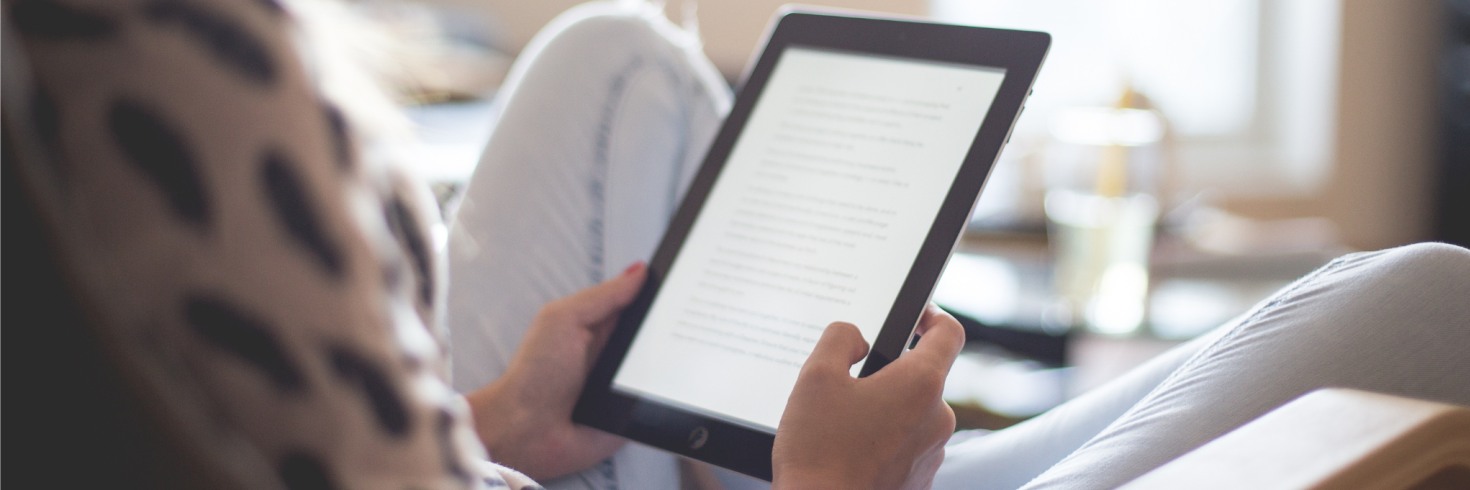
[(1178, 162)]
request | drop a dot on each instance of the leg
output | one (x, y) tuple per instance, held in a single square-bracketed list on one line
[(1009, 458), (1394, 321), (604, 118)]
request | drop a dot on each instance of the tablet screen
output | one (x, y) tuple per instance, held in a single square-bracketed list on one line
[(817, 216)]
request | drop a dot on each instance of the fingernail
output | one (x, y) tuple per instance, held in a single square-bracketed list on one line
[(634, 267)]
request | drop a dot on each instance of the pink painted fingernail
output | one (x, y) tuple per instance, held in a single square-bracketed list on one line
[(633, 268)]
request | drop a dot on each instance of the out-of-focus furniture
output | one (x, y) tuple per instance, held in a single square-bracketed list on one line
[(730, 28), (1452, 220), (1332, 439)]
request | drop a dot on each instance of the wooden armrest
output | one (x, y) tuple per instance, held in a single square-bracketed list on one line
[(1332, 439)]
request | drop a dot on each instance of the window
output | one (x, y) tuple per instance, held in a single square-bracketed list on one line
[(1248, 86)]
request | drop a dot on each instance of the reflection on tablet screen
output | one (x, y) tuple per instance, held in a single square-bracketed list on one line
[(817, 217)]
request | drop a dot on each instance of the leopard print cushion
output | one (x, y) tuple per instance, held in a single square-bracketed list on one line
[(264, 272)]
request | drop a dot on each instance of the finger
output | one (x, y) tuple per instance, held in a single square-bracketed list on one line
[(601, 444), (941, 341), (932, 313), (601, 332), (592, 305), (840, 347)]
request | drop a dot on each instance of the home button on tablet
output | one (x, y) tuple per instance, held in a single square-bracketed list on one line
[(698, 437)]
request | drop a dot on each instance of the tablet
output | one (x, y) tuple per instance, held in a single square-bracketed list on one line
[(835, 191)]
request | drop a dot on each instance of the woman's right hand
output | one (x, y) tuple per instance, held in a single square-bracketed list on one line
[(885, 431), (524, 418)]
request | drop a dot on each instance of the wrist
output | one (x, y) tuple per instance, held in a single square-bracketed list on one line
[(818, 480), (497, 419)]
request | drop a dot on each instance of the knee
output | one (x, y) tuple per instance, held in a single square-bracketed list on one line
[(1436, 253), (1427, 258), (1421, 269), (593, 29)]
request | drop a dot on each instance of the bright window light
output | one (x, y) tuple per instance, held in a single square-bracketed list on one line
[(1247, 87), (1105, 126), (1196, 59)]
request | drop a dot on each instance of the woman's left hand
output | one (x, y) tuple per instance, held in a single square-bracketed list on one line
[(525, 417)]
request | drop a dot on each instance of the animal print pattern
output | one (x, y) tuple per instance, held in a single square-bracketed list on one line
[(264, 271)]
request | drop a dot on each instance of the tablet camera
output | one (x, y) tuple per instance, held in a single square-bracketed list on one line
[(698, 437)]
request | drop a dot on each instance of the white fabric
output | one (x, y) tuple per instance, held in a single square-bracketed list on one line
[(1395, 321), (1009, 458), (608, 114), (604, 118)]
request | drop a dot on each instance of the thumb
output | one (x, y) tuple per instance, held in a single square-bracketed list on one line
[(840, 347), (599, 302)]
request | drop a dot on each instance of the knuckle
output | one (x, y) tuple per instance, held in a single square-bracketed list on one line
[(844, 331), (946, 418), (941, 425), (555, 312), (811, 370), (931, 385)]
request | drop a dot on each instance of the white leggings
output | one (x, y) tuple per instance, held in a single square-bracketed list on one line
[(606, 116)]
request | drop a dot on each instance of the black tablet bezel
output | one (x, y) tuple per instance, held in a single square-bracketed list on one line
[(739, 447)]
